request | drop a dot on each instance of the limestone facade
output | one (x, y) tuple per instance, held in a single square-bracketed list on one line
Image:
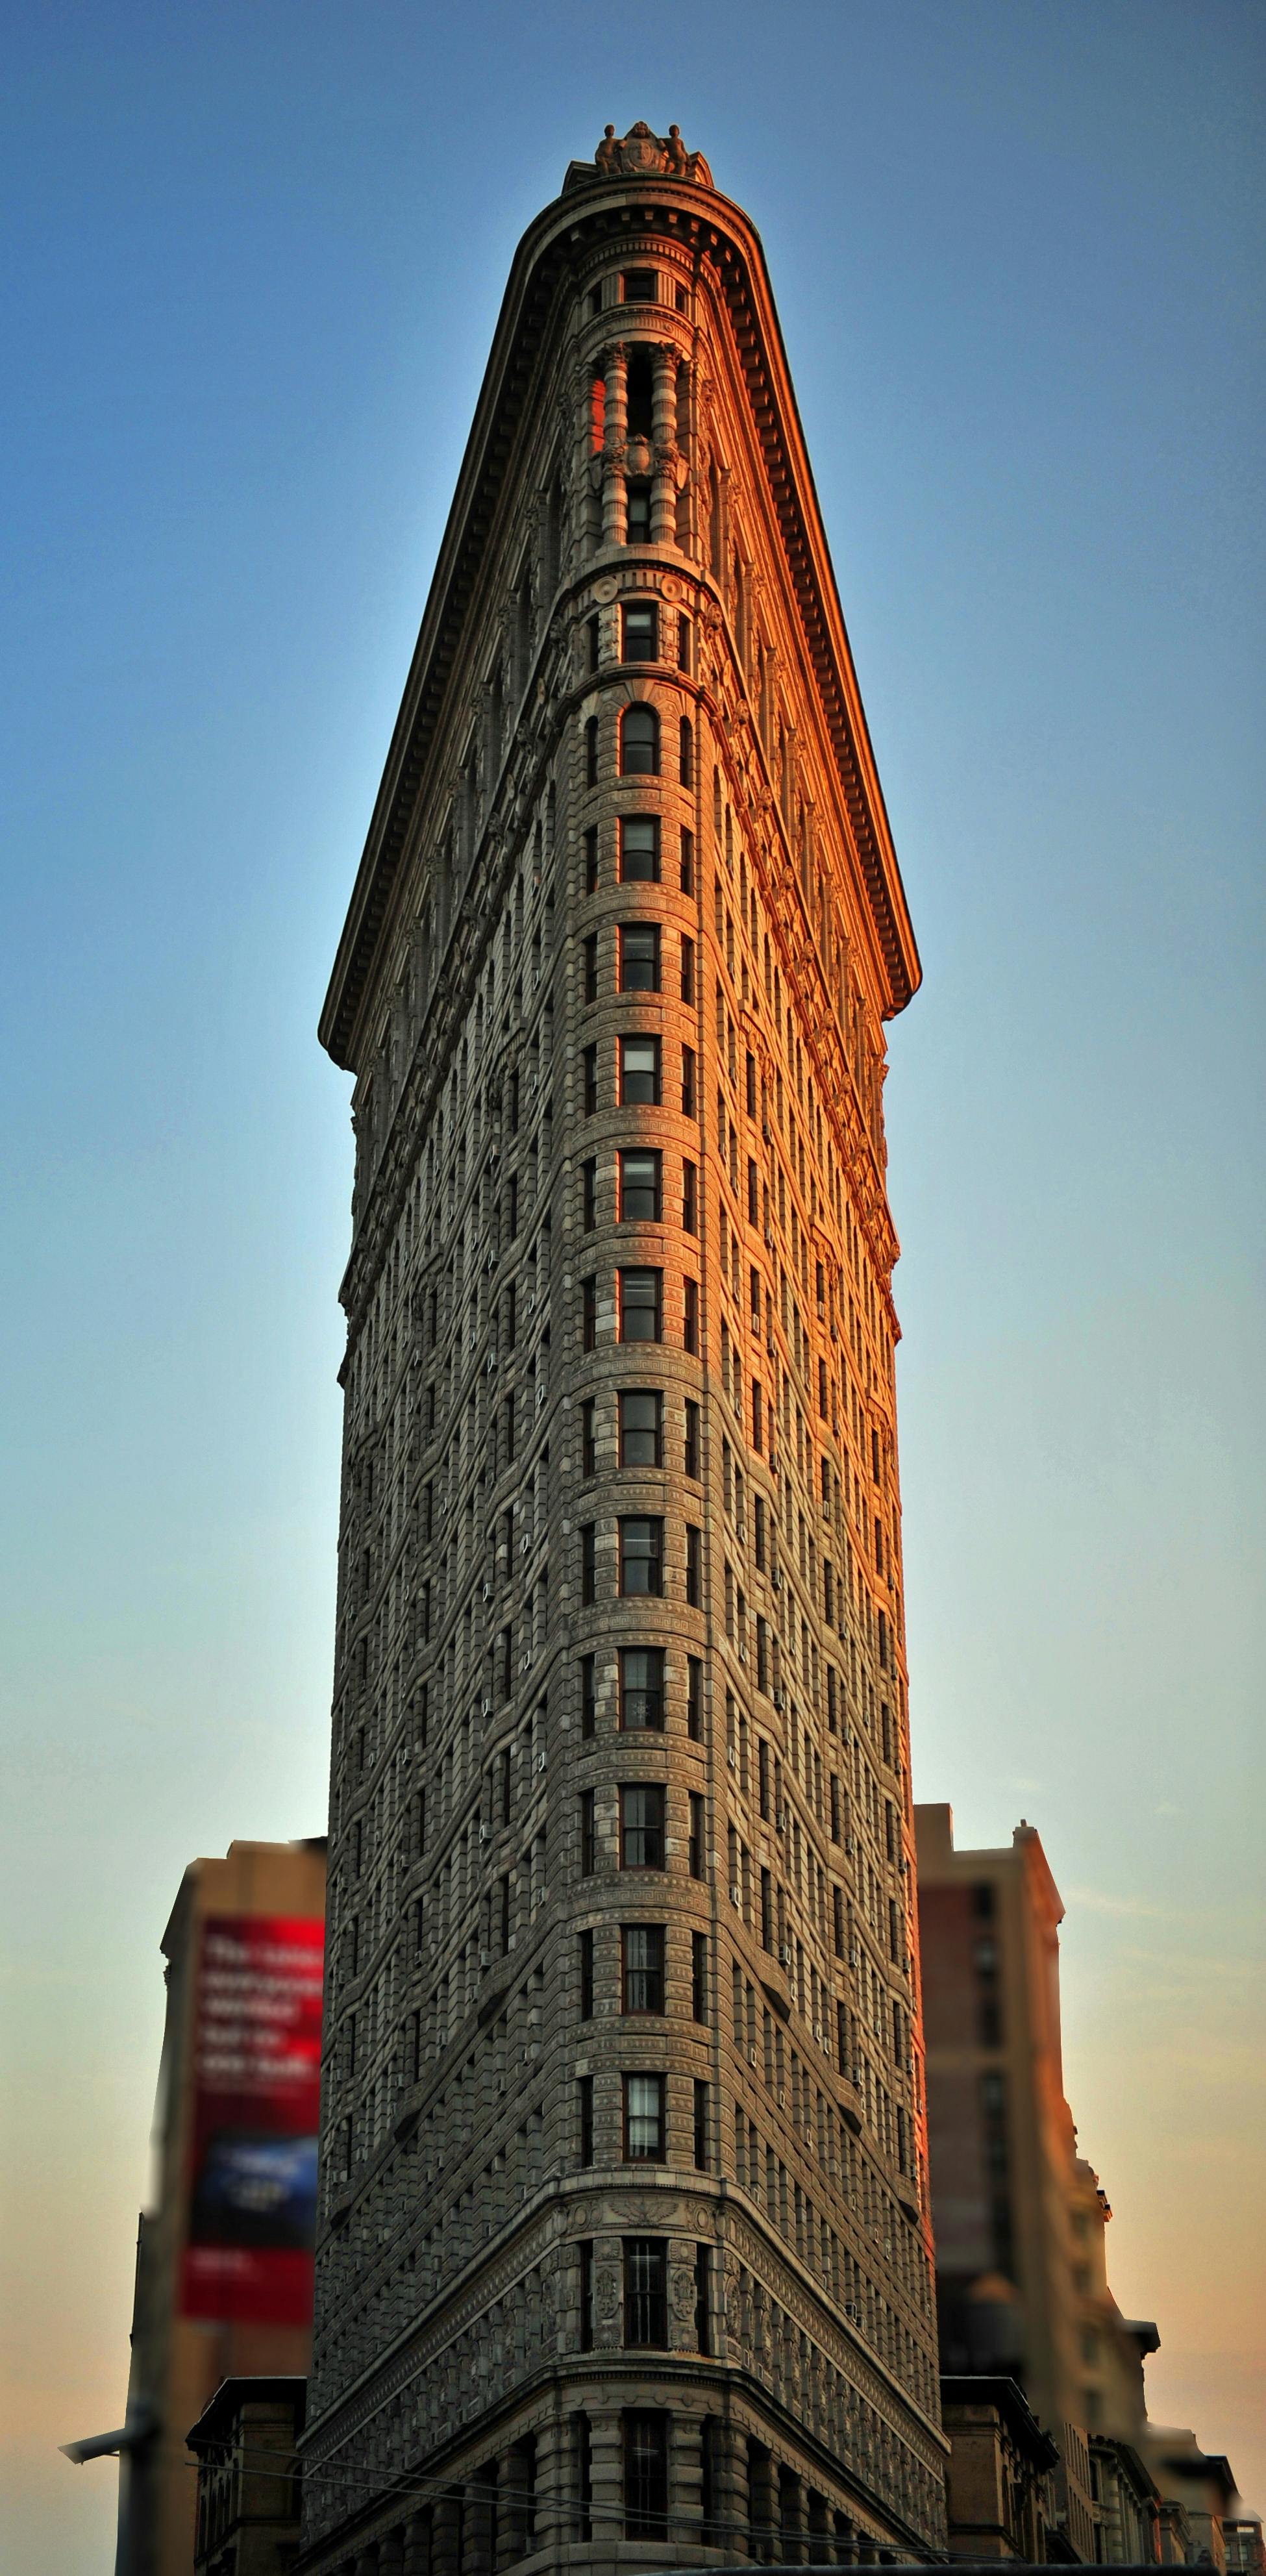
[(624, 2241)]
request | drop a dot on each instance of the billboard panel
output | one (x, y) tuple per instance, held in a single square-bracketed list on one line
[(257, 2084)]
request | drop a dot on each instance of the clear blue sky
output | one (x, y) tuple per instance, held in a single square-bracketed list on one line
[(253, 257)]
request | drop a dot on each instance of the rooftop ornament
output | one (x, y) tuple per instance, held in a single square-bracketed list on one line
[(640, 154)]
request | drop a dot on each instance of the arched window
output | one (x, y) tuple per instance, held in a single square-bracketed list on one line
[(687, 752), (639, 742)]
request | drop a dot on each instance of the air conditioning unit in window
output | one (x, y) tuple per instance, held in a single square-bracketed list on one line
[(852, 2312), (485, 1958), (540, 1759), (854, 1957), (524, 1544), (782, 2098), (531, 1303), (485, 1833), (732, 1757), (487, 1592), (780, 1820), (784, 1954), (540, 1397), (819, 2034), (751, 2057), (735, 1898), (780, 1699), (485, 1706)]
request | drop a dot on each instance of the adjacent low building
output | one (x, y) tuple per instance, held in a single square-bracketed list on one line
[(248, 2478), (224, 2256), (1019, 2221)]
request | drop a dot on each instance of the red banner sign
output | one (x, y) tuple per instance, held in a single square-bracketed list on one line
[(257, 2087)]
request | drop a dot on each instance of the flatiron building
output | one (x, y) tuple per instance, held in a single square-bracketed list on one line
[(623, 2250)]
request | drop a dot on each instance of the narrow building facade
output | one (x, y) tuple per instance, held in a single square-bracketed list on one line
[(623, 2246)]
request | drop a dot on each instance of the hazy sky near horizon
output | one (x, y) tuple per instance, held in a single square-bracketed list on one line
[(254, 256)]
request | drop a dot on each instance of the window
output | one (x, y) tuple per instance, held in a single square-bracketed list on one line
[(687, 863), (686, 752), (639, 849), (639, 1073), (694, 1698), (641, 1557), (703, 2260), (638, 526), (699, 1976), (587, 1562), (641, 1686), (584, 2116), (589, 1064), (753, 1218), (691, 1461), (591, 752), (646, 2477), (585, 1961), (694, 1568), (588, 1835), (588, 1696), (690, 1197), (586, 2296), (591, 967), (640, 1193), (589, 1194), (690, 1315), (642, 1968), (683, 623), (687, 971), (591, 623), (638, 285), (688, 1082), (644, 2118), (588, 1314), (695, 1851), (642, 1826), (587, 1455), (641, 1305), (639, 957), (639, 742), (591, 859), (766, 1911), (641, 1434), (580, 2524), (645, 2289), (641, 636)]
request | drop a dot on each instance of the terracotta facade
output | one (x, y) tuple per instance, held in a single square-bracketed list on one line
[(624, 2239)]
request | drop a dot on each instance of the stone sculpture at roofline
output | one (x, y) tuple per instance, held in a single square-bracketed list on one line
[(641, 154)]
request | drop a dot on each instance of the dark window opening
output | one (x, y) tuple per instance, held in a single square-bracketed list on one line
[(642, 1687), (642, 1968)]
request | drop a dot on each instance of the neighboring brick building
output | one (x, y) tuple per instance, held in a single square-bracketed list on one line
[(624, 2234), (1000, 2490), (248, 2478), (224, 2257)]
